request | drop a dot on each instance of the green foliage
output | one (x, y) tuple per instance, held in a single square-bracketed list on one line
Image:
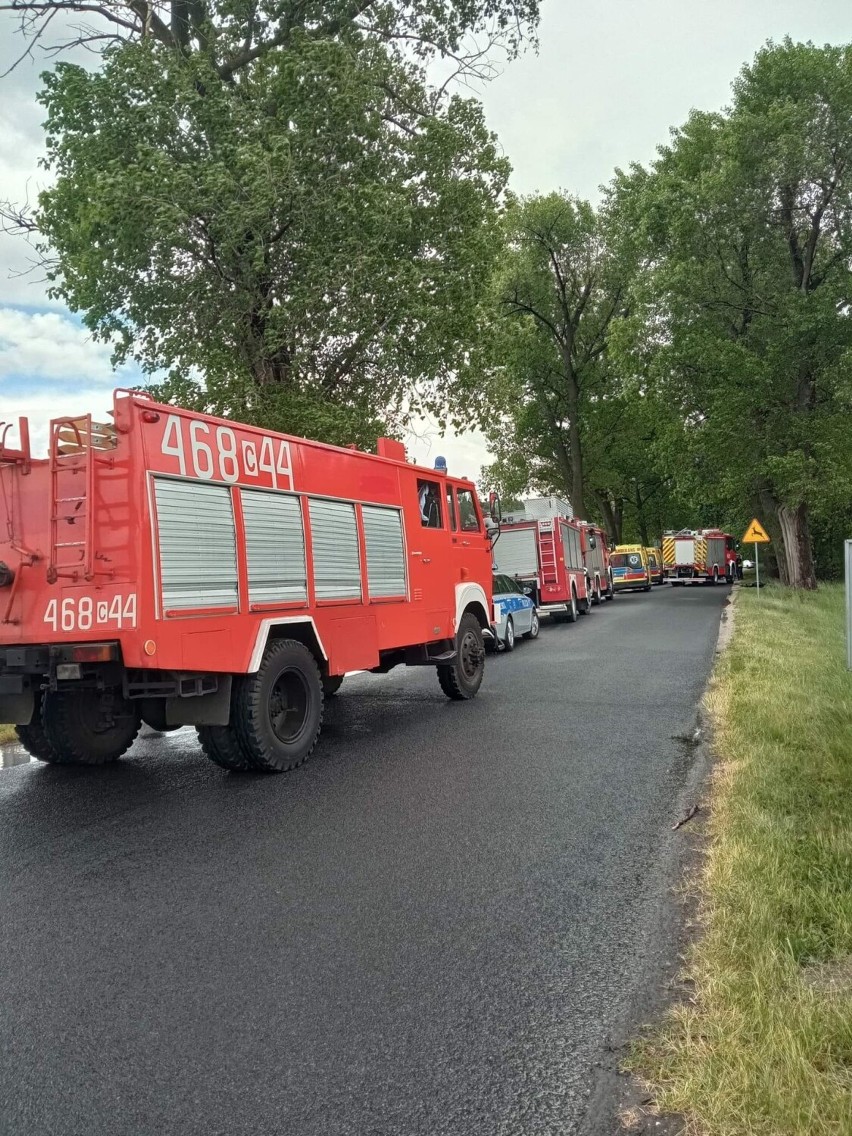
[(302, 238)]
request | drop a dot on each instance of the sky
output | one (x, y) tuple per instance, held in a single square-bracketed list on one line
[(608, 82)]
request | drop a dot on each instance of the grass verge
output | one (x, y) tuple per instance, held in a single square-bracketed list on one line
[(763, 1045), (7, 734)]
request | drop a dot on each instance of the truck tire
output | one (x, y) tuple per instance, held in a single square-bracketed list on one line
[(32, 736), (276, 713), (609, 594), (462, 679), (221, 745), (585, 606), (88, 727), (597, 595), (572, 612)]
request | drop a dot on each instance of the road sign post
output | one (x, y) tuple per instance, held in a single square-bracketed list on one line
[(757, 534), (847, 548)]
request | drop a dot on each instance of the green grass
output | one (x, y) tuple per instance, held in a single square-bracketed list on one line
[(764, 1042), (7, 734)]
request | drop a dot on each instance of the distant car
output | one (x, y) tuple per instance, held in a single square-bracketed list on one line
[(747, 564), (514, 612)]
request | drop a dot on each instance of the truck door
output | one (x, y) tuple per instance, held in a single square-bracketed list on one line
[(467, 540), (427, 557)]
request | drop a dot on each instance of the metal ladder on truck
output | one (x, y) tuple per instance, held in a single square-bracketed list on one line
[(74, 443), (547, 552)]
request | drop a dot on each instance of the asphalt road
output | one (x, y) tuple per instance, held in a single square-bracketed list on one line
[(441, 926)]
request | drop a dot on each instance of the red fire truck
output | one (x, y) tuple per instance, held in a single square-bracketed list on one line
[(547, 554), (596, 558), (709, 555), (175, 568)]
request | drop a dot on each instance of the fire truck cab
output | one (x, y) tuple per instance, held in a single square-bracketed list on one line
[(708, 555), (175, 568), (546, 554)]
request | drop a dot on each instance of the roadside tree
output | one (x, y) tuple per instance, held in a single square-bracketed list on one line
[(742, 313), (271, 205)]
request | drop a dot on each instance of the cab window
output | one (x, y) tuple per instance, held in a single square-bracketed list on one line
[(429, 500), (468, 517)]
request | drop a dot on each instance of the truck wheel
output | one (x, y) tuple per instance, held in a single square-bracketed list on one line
[(276, 713), (586, 605), (609, 594), (463, 679), (571, 613), (596, 594), (534, 627), (221, 745), (331, 684), (88, 727), (32, 736)]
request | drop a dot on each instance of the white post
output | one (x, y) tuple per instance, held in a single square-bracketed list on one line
[(848, 559), (757, 566)]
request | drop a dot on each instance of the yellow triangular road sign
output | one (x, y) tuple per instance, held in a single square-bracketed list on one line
[(756, 533)]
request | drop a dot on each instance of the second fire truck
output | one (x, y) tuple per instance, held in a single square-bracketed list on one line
[(546, 554), (709, 555), (174, 568)]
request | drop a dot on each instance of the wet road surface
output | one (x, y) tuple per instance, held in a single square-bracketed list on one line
[(440, 926)]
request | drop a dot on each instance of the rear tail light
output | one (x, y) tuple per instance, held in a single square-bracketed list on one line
[(93, 653)]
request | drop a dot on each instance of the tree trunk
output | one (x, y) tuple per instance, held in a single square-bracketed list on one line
[(774, 553), (643, 524), (572, 392), (798, 546), (610, 520)]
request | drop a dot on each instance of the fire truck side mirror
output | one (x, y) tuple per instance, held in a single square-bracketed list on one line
[(494, 506), (592, 541)]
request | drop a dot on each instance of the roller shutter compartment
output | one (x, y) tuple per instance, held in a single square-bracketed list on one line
[(385, 551), (336, 556), (275, 547), (198, 555)]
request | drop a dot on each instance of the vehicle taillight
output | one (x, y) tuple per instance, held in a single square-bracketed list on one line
[(93, 653)]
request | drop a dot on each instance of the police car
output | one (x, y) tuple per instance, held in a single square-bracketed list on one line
[(514, 612)]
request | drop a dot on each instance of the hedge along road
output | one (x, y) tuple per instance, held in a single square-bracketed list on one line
[(442, 925)]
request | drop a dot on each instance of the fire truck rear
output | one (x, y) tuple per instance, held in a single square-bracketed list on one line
[(709, 555), (596, 558), (174, 568), (547, 554)]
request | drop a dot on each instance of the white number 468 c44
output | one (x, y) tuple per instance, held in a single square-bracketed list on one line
[(83, 613)]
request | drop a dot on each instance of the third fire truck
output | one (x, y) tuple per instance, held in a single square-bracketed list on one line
[(545, 553), (174, 568), (709, 555)]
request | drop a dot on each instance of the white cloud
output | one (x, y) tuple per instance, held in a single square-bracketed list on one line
[(48, 345)]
